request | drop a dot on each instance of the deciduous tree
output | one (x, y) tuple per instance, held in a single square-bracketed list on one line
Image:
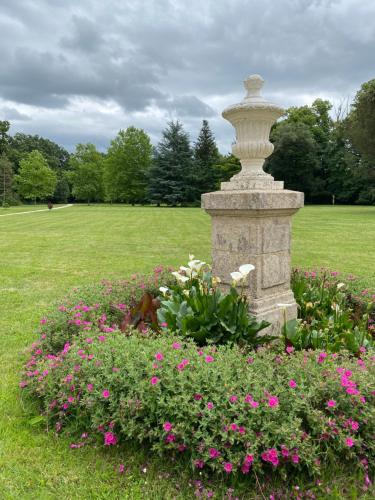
[(35, 180)]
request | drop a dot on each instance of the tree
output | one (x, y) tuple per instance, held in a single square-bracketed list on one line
[(206, 157), (4, 137), (361, 121), (22, 144), (172, 168), (62, 190), (6, 180), (295, 157), (86, 176), (228, 165), (127, 165), (35, 179)]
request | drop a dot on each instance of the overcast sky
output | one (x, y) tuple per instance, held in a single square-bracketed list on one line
[(79, 70)]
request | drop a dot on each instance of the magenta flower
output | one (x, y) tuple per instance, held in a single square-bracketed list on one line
[(90, 387), (322, 357), (176, 345), (89, 340), (228, 467), (121, 468), (233, 399), (209, 359), (154, 380), (105, 393), (234, 427), (273, 401), (170, 438), (210, 405), (254, 404), (43, 321), (214, 453), (159, 356), (249, 459), (250, 361), (101, 338), (289, 349), (199, 464), (198, 397), (110, 439), (292, 384), (331, 403), (295, 458), (167, 426), (349, 442)]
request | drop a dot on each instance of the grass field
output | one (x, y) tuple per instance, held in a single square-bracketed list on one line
[(44, 254)]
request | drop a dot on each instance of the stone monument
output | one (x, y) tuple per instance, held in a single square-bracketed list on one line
[(251, 214)]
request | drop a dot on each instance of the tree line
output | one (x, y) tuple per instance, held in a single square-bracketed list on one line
[(330, 159)]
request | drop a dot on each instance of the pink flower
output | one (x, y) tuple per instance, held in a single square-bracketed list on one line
[(234, 427), (199, 464), (254, 404), (209, 359), (159, 356), (110, 439), (43, 321), (295, 458), (101, 338), (331, 403), (284, 451), (250, 361), (170, 438), (214, 453), (167, 426), (197, 397), (70, 399), (23, 384), (163, 324), (249, 459), (228, 467), (90, 387), (322, 357), (176, 345), (349, 442), (289, 349), (273, 401), (89, 340), (210, 405), (121, 468), (292, 384), (241, 430), (354, 425), (105, 393), (154, 380), (233, 399)]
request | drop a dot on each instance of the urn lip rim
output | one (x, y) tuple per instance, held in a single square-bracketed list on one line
[(254, 106)]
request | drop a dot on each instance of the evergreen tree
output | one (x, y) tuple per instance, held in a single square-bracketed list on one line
[(6, 180), (206, 157), (87, 166), (127, 165), (62, 190), (172, 168), (4, 137), (35, 179)]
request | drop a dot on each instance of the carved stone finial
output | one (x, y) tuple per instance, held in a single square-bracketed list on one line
[(253, 85)]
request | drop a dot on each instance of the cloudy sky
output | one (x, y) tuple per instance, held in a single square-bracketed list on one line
[(79, 70)]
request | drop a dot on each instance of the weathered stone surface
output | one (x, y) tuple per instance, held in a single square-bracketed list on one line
[(251, 215)]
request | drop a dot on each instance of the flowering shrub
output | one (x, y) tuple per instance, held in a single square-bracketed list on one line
[(330, 316), (225, 410), (196, 307), (98, 309)]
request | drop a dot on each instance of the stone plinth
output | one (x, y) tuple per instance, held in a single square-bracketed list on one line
[(254, 227)]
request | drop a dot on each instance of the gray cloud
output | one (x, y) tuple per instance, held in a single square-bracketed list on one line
[(161, 59)]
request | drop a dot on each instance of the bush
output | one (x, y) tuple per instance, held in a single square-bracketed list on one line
[(226, 410), (331, 316)]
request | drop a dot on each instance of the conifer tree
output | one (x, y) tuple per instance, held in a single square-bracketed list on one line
[(6, 180), (170, 174), (206, 156)]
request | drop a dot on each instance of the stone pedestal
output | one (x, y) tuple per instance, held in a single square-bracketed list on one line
[(254, 227), (251, 215)]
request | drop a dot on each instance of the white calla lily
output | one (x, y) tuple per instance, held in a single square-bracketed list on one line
[(245, 269), (236, 276), (180, 277), (191, 256), (164, 290)]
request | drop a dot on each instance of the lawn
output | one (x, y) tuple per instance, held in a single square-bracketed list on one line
[(44, 254)]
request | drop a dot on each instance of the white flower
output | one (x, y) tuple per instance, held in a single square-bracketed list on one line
[(180, 277), (191, 257), (196, 264), (164, 290), (244, 270), (340, 285)]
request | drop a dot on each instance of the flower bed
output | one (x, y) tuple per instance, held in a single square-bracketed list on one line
[(228, 408)]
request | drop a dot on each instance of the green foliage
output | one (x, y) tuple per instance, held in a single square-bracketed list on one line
[(225, 411), (227, 166), (127, 165), (86, 176), (35, 179), (22, 144), (329, 317), (172, 168), (196, 307), (4, 137), (6, 180), (361, 121), (206, 158), (62, 190)]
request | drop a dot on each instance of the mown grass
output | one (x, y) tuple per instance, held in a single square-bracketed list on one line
[(45, 254)]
